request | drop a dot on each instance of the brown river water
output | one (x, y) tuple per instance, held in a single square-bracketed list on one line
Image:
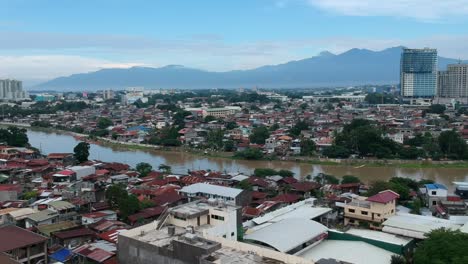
[(181, 162)]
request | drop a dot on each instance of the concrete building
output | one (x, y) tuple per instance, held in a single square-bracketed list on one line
[(12, 90), (227, 194), (418, 72), (374, 209), (435, 193), (22, 245), (108, 94), (213, 218), (170, 244), (453, 83)]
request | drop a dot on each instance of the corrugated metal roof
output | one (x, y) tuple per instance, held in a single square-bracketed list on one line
[(211, 189), (12, 237), (415, 225), (288, 233)]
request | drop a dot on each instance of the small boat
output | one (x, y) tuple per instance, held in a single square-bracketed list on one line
[(358, 167)]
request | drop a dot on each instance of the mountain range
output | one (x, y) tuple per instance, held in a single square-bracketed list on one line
[(353, 67)]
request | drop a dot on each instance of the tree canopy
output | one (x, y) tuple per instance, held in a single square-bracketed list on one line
[(81, 152), (259, 135), (144, 168), (443, 246), (14, 136)]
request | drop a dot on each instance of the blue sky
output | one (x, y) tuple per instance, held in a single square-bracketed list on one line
[(43, 39)]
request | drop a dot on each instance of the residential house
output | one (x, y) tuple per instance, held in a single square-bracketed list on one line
[(22, 245), (373, 210)]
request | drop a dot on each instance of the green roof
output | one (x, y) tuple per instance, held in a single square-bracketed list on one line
[(49, 229), (42, 215)]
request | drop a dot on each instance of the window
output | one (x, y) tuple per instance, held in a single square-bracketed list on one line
[(217, 217), (364, 212), (180, 218), (351, 210), (434, 202), (232, 234), (392, 211), (433, 192)]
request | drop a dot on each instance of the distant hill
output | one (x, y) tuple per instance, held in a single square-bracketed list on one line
[(353, 67)]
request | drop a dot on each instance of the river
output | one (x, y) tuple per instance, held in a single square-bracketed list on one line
[(180, 162)]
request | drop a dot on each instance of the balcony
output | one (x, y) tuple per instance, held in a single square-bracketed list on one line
[(360, 203)]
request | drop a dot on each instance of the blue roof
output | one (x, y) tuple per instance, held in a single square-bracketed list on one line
[(138, 128), (61, 255), (434, 186)]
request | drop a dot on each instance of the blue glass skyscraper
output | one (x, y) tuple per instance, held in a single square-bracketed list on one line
[(418, 72)]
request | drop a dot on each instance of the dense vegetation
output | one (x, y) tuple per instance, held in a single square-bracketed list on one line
[(443, 246), (365, 139), (14, 136)]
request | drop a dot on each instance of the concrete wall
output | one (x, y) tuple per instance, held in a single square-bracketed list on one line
[(136, 252)]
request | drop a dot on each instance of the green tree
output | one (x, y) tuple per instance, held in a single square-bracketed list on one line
[(307, 147), (285, 173), (298, 127), (231, 125), (436, 109), (336, 151), (104, 122), (259, 135), (452, 145), (244, 185), (30, 195), (442, 246), (146, 204), (209, 118), (144, 168), (14, 136), (129, 206), (397, 259), (81, 152), (214, 138), (115, 193), (165, 168), (349, 179), (263, 172), (229, 145), (323, 178), (416, 207), (249, 154)]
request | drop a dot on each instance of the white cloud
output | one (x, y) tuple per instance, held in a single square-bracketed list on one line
[(41, 64), (419, 9)]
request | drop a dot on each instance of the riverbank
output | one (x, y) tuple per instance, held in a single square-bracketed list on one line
[(355, 163)]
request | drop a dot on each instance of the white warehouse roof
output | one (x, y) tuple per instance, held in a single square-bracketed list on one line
[(211, 189), (288, 233)]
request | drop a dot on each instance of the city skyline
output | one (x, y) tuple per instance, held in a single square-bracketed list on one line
[(81, 37)]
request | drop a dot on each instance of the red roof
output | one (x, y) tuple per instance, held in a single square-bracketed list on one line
[(167, 198), (147, 213), (258, 195), (454, 199), (289, 180), (66, 172), (111, 235), (305, 186), (383, 197), (93, 253), (12, 237), (74, 233), (256, 181), (10, 187), (251, 211), (58, 155), (287, 198)]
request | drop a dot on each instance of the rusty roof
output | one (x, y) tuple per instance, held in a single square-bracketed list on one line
[(12, 237)]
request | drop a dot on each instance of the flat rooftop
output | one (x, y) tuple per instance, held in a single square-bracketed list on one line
[(197, 208), (227, 255), (350, 251)]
